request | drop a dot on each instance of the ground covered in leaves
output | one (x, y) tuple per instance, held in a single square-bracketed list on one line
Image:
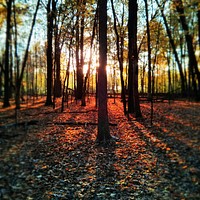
[(53, 155)]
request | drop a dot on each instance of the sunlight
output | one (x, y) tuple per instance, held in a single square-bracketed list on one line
[(94, 62), (85, 69)]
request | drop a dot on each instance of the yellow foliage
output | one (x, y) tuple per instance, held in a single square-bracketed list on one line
[(2, 2), (2, 12), (21, 9)]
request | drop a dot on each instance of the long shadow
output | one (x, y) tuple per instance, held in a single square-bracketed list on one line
[(162, 177), (66, 164), (176, 180), (175, 143), (180, 147), (106, 174), (58, 166), (23, 162)]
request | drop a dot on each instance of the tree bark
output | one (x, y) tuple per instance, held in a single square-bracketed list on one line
[(20, 78), (134, 8), (79, 69), (191, 53), (131, 108), (57, 53), (83, 102), (1, 76), (149, 50), (183, 81), (6, 102), (198, 16), (49, 54), (103, 134), (133, 100), (120, 58)]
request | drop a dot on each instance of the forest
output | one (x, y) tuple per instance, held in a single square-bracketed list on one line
[(99, 99)]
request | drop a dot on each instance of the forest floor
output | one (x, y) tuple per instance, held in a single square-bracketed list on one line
[(53, 155)]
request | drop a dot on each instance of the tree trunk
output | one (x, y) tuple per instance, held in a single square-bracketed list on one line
[(131, 108), (135, 60), (191, 53), (103, 134), (83, 103), (57, 81), (65, 95), (20, 78), (120, 58), (6, 102), (11, 84), (81, 82), (183, 81), (49, 54), (79, 70), (149, 50), (17, 60), (198, 15), (1, 76)]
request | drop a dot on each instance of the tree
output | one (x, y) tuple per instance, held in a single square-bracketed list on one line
[(79, 47), (198, 16), (135, 59), (149, 49), (130, 58), (193, 66), (57, 52), (103, 134), (20, 78), (6, 102), (83, 102), (1, 74), (134, 105), (62, 22), (49, 53), (120, 54), (172, 43)]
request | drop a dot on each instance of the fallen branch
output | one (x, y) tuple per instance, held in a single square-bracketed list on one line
[(81, 123), (25, 123), (87, 111)]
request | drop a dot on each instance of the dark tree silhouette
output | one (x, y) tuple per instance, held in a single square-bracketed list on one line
[(6, 102), (134, 105), (120, 56), (103, 134), (20, 78), (57, 52), (130, 54), (172, 43), (193, 65), (149, 49), (83, 102), (49, 54), (79, 50), (198, 15)]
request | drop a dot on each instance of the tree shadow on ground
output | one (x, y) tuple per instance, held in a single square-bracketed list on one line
[(63, 162), (177, 169)]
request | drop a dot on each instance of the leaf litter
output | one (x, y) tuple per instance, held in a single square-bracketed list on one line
[(49, 160)]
